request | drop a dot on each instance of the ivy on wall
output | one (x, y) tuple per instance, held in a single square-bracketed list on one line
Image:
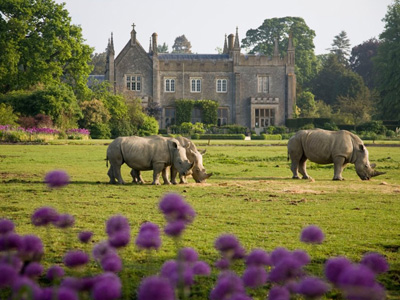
[(184, 108)]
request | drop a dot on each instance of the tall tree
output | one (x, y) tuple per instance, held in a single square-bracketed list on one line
[(361, 60), (387, 64), (162, 48), (261, 40), (335, 80), (341, 47), (98, 61), (40, 45), (182, 45)]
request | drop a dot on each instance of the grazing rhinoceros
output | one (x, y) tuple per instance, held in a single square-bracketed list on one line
[(325, 147), (198, 171), (146, 153)]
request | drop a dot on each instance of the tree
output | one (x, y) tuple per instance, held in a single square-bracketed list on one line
[(181, 45), (7, 115), (261, 40), (361, 60), (387, 64), (341, 47), (95, 118), (39, 45), (306, 103), (357, 110), (336, 80), (162, 48), (98, 61)]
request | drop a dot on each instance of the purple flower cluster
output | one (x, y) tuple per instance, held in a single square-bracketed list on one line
[(81, 131), (118, 231), (148, 237), (177, 213), (42, 130), (56, 179), (44, 216), (282, 270)]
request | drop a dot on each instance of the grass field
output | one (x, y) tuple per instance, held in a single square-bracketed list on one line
[(251, 195)]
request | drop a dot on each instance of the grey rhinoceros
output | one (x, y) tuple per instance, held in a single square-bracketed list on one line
[(325, 147), (146, 153), (198, 171)]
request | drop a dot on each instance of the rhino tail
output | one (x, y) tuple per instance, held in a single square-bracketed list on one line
[(106, 161)]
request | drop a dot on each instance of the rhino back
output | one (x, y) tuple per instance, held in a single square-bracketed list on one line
[(322, 146), (141, 152)]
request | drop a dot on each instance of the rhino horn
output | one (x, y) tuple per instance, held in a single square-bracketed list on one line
[(377, 173), (209, 175)]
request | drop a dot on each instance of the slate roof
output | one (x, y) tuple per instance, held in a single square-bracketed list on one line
[(180, 56)]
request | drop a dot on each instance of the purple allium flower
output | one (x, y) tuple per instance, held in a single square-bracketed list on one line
[(55, 272), (85, 236), (358, 282), (312, 287), (102, 249), (376, 262), (174, 228), (301, 256), (287, 269), (23, 284), (116, 224), (111, 263), (47, 293), (175, 208), (312, 235), (56, 179), (254, 276), (227, 284), (7, 275), (177, 272), (31, 248), (201, 268), (239, 252), (44, 216), (72, 283), (65, 293), (148, 236), (226, 242), (76, 259), (279, 254), (64, 221), (240, 297), (10, 241), (120, 239), (258, 257), (33, 269), (6, 226), (87, 283), (13, 260), (223, 264), (156, 288), (107, 287), (278, 293), (334, 268), (188, 255)]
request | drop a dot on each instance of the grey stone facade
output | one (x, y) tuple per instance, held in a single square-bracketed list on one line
[(254, 91)]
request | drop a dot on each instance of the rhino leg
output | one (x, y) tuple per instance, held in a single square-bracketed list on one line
[(294, 168), (182, 179), (338, 165), (303, 167), (157, 169), (110, 174), (165, 176), (136, 177), (174, 172)]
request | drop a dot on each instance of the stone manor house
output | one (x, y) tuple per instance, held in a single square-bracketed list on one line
[(254, 91)]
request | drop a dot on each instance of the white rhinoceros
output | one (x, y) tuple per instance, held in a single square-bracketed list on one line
[(198, 171), (146, 153), (325, 147)]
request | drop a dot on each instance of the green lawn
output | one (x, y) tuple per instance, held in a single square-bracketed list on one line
[(251, 195)]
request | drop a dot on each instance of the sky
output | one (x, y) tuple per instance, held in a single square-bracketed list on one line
[(205, 22)]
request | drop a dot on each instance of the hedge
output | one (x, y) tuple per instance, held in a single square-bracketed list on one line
[(197, 136)]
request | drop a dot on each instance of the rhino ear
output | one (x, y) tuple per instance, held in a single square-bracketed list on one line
[(175, 145), (362, 148), (203, 151)]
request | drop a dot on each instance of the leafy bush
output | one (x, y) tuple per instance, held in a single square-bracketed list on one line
[(7, 115), (148, 127), (222, 136)]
